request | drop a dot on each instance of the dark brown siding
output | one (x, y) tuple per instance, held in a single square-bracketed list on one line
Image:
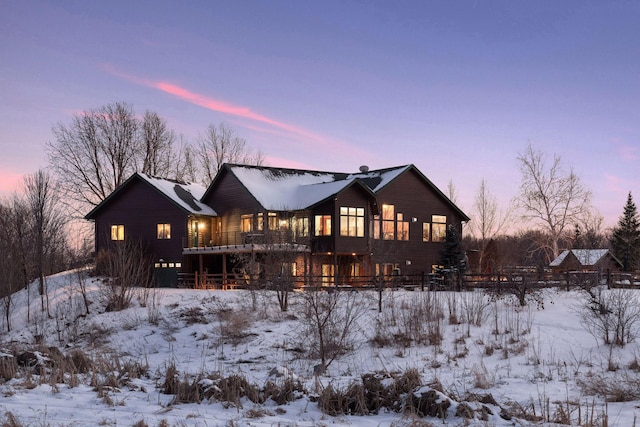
[(414, 198), (354, 197), (140, 208), (230, 199)]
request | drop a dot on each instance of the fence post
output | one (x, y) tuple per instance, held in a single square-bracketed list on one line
[(422, 282)]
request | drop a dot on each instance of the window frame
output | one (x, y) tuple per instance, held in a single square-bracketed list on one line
[(352, 221), (117, 232), (322, 225), (163, 230)]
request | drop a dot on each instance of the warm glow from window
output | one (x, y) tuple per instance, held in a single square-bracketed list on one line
[(273, 220), (352, 222), (164, 231), (388, 222), (117, 232), (438, 228), (323, 225), (246, 223), (426, 231), (300, 226)]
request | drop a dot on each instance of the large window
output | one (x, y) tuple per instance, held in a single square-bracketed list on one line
[(323, 225), (403, 227), (388, 222), (352, 222), (164, 231), (426, 231), (300, 227), (438, 228), (117, 232), (246, 223), (376, 226), (273, 220)]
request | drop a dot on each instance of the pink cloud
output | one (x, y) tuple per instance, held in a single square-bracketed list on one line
[(273, 126)]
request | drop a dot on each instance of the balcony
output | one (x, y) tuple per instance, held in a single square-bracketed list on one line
[(243, 242)]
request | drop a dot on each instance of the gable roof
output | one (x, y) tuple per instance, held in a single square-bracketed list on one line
[(185, 196), (586, 257), (293, 189)]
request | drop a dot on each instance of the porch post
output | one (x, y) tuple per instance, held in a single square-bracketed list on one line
[(224, 269), (201, 268)]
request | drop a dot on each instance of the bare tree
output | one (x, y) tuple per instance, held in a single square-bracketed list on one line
[(452, 194), (14, 262), (127, 267), (331, 320), (48, 221), (96, 152), (158, 142), (185, 167), (101, 148), (219, 145), (611, 315), (487, 221), (551, 196)]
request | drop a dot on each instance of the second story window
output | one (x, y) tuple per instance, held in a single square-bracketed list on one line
[(300, 226), (164, 231), (352, 222), (323, 225), (403, 227), (117, 232), (388, 222), (438, 228)]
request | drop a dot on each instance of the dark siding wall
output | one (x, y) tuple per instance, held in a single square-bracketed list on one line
[(230, 199), (412, 197), (354, 197), (140, 208)]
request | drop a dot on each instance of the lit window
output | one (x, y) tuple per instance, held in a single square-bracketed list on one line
[(246, 223), (438, 228), (388, 222), (117, 232), (403, 227), (352, 222), (260, 225), (323, 225), (300, 227), (426, 231), (164, 231), (273, 221), (376, 226), (327, 274)]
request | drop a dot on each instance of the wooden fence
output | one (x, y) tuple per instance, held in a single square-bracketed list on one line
[(424, 281)]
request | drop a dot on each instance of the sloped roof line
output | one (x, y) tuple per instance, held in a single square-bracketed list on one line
[(586, 257), (184, 195)]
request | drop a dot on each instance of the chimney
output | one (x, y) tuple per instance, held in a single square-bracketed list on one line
[(364, 168)]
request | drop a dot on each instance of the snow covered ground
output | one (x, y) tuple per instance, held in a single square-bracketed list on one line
[(525, 366)]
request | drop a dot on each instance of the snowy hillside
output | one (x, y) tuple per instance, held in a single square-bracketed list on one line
[(231, 358)]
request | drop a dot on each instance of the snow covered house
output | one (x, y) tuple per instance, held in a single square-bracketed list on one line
[(325, 228), (155, 213), (586, 260)]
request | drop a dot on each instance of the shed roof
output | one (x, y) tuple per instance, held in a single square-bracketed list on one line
[(586, 257)]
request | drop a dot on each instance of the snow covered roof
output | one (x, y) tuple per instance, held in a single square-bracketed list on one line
[(586, 257), (186, 195), (292, 189)]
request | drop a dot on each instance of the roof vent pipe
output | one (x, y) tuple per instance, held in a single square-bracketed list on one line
[(364, 168)]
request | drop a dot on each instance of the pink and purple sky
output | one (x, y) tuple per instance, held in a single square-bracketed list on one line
[(456, 88)]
